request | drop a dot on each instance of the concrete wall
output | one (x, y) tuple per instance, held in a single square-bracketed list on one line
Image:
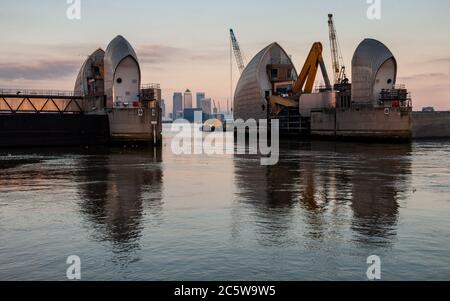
[(431, 125), (361, 124), (131, 126), (309, 102), (323, 123)]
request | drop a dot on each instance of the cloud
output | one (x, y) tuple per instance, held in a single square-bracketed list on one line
[(212, 55), (43, 69), (424, 76), (440, 60), (157, 54), (153, 54), (56, 68)]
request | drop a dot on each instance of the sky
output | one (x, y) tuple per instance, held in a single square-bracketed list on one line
[(185, 44)]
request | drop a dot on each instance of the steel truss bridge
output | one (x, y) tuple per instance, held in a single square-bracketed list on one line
[(14, 101)]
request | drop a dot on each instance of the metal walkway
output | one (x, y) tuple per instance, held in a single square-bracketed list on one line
[(14, 101)]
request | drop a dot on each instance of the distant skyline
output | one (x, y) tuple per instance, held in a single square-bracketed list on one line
[(187, 99), (177, 105), (199, 96), (186, 44)]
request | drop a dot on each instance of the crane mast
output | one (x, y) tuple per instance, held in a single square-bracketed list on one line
[(336, 58), (237, 52)]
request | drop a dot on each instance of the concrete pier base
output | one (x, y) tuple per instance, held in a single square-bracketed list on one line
[(430, 125), (362, 124), (139, 126)]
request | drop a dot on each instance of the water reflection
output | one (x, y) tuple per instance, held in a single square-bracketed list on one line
[(329, 185), (316, 215), (379, 185), (115, 190)]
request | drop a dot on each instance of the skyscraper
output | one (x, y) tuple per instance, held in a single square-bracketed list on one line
[(199, 97), (163, 108), (188, 99), (206, 106), (177, 105)]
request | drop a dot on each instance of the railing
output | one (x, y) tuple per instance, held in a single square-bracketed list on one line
[(399, 87), (55, 93), (321, 88), (151, 86), (362, 105), (398, 96), (27, 104)]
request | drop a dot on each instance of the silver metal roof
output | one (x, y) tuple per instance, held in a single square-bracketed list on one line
[(249, 94), (96, 58), (367, 61), (118, 50)]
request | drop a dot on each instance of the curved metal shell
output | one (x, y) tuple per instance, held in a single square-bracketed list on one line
[(374, 67), (249, 97), (81, 83), (117, 51)]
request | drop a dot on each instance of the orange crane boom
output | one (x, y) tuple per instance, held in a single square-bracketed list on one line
[(305, 81), (307, 77)]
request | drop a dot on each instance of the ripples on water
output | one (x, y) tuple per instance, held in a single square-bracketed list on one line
[(150, 215)]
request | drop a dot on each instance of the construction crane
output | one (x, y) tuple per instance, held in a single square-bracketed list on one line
[(237, 52), (307, 77), (336, 56)]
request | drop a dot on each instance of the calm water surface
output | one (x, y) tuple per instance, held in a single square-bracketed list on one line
[(151, 215)]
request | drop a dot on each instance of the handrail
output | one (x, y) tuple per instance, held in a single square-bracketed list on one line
[(151, 86), (37, 92)]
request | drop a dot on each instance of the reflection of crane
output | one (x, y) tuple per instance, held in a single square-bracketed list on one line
[(237, 52), (336, 56)]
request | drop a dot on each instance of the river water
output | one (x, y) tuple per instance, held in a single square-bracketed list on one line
[(144, 214)]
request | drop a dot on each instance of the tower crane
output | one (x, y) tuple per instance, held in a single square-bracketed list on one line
[(237, 52), (336, 56)]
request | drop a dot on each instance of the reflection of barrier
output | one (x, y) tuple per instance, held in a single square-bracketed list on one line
[(40, 101)]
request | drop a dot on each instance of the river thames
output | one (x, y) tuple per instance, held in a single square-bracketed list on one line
[(144, 214)]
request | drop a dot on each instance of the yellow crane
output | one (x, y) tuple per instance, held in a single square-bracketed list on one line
[(309, 71), (305, 81)]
